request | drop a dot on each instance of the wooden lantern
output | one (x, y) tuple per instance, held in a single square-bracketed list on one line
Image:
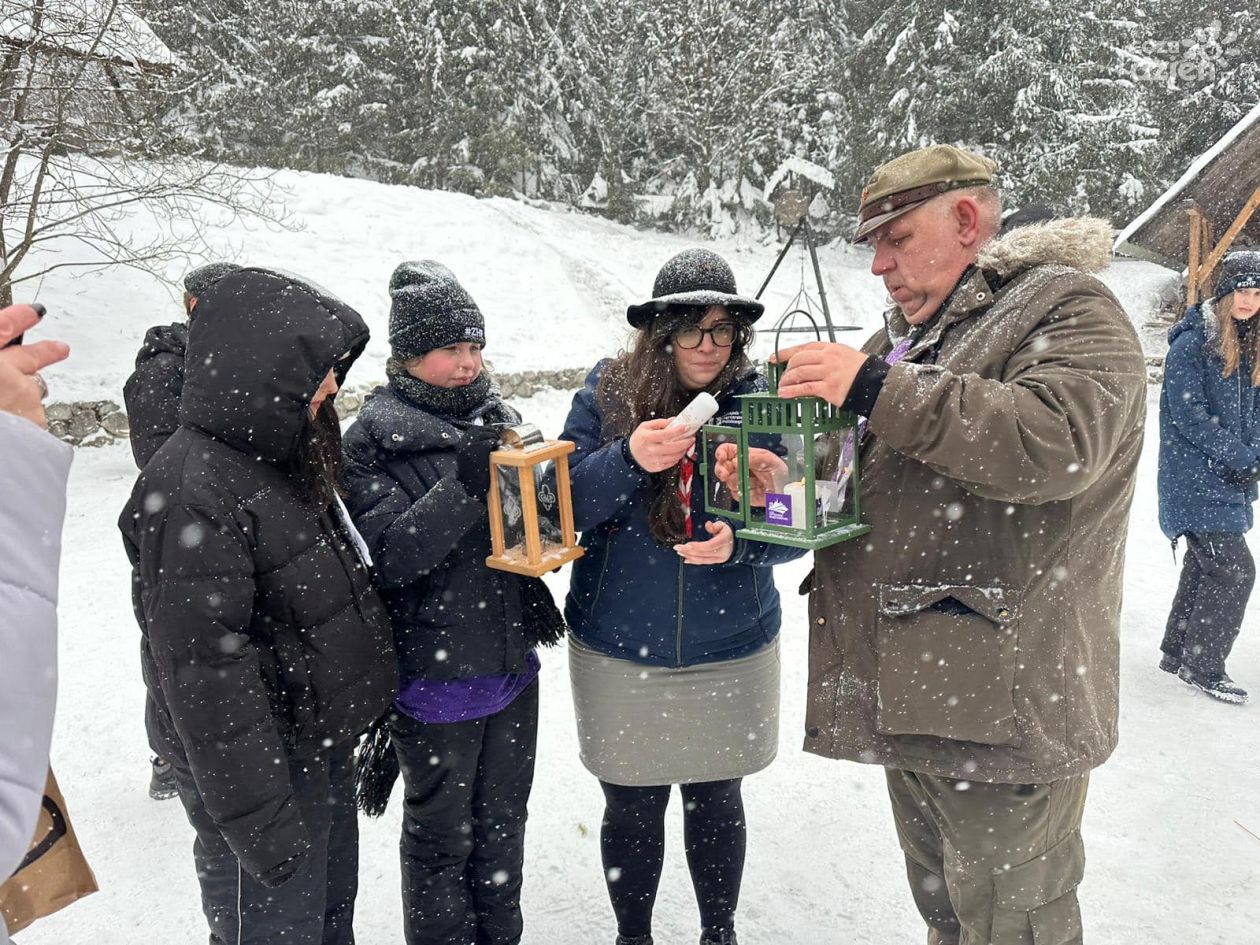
[(531, 506)]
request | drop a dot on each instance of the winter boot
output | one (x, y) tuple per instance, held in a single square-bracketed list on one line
[(719, 937), (1170, 664), (162, 781), (634, 940), (1217, 685)]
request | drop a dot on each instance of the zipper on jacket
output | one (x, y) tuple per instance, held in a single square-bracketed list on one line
[(752, 574), (1242, 416), (678, 654)]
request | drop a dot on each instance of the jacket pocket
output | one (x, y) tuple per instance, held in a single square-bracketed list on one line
[(947, 655), (1036, 901)]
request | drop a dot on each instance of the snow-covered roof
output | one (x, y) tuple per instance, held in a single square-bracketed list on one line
[(73, 26), (1220, 180)]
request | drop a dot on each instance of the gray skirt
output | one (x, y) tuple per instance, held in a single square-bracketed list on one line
[(641, 725)]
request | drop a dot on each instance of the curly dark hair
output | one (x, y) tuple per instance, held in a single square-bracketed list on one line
[(642, 384)]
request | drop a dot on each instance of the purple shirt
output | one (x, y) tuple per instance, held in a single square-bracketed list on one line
[(462, 700)]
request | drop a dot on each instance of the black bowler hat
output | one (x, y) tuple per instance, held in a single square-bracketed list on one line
[(695, 277)]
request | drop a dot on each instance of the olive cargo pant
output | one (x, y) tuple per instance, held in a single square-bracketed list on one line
[(992, 864)]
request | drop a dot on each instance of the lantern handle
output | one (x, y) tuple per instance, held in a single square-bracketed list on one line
[(520, 437), (779, 328)]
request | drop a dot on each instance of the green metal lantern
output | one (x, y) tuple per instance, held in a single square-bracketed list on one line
[(796, 461)]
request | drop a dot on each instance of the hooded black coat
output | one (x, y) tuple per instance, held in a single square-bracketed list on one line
[(152, 392), (262, 638)]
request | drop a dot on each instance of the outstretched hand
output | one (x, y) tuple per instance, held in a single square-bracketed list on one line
[(716, 550), (819, 369)]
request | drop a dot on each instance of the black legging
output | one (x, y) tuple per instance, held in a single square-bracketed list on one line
[(632, 842)]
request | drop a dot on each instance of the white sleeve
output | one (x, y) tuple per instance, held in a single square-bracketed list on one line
[(36, 466)]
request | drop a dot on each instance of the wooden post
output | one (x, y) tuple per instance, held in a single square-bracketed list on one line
[(1218, 252), (1192, 271), (1205, 246)]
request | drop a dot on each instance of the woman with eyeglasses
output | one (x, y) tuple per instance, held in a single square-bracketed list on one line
[(674, 655)]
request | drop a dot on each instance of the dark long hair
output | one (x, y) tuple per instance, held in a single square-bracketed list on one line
[(316, 464), (642, 384)]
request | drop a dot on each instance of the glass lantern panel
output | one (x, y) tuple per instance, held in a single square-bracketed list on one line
[(778, 468), (551, 537), (720, 463)]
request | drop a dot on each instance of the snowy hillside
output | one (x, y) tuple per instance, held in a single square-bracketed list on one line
[(1170, 828), (553, 285)]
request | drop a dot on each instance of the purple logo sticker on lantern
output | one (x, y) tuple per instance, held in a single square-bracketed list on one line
[(778, 509)]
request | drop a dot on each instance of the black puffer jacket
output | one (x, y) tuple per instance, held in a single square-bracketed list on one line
[(262, 635), (453, 617), (152, 392)]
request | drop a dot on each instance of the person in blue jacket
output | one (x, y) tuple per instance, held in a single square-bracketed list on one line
[(1209, 463), (673, 653)]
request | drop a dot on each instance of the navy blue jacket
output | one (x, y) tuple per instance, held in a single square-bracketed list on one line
[(635, 599), (1207, 424)]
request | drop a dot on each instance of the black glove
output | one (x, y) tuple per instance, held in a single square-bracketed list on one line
[(473, 460), (1240, 478)]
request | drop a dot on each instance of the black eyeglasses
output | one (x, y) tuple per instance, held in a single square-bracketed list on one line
[(723, 335)]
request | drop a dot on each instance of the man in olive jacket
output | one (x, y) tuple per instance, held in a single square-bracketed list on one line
[(970, 642)]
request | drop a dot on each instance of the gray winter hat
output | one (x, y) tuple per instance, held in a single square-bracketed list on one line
[(199, 281), (697, 277), (1240, 270), (430, 309)]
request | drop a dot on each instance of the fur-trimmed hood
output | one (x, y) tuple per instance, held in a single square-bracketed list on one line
[(1082, 243), (1202, 318)]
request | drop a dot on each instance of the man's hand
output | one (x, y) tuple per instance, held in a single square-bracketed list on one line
[(21, 392), (656, 446), (716, 550), (766, 471), (819, 369)]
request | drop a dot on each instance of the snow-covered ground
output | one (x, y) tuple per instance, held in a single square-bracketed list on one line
[(1173, 819)]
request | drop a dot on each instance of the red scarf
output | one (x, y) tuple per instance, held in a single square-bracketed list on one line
[(686, 469)]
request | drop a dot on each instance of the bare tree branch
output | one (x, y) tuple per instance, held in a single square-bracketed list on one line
[(90, 163)]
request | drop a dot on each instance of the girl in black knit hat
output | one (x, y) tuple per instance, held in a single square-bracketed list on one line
[(464, 726), (1209, 464)]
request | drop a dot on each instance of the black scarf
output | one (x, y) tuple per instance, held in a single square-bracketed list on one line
[(481, 399)]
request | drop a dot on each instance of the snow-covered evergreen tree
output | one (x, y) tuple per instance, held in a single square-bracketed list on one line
[(676, 110), (1045, 95)]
